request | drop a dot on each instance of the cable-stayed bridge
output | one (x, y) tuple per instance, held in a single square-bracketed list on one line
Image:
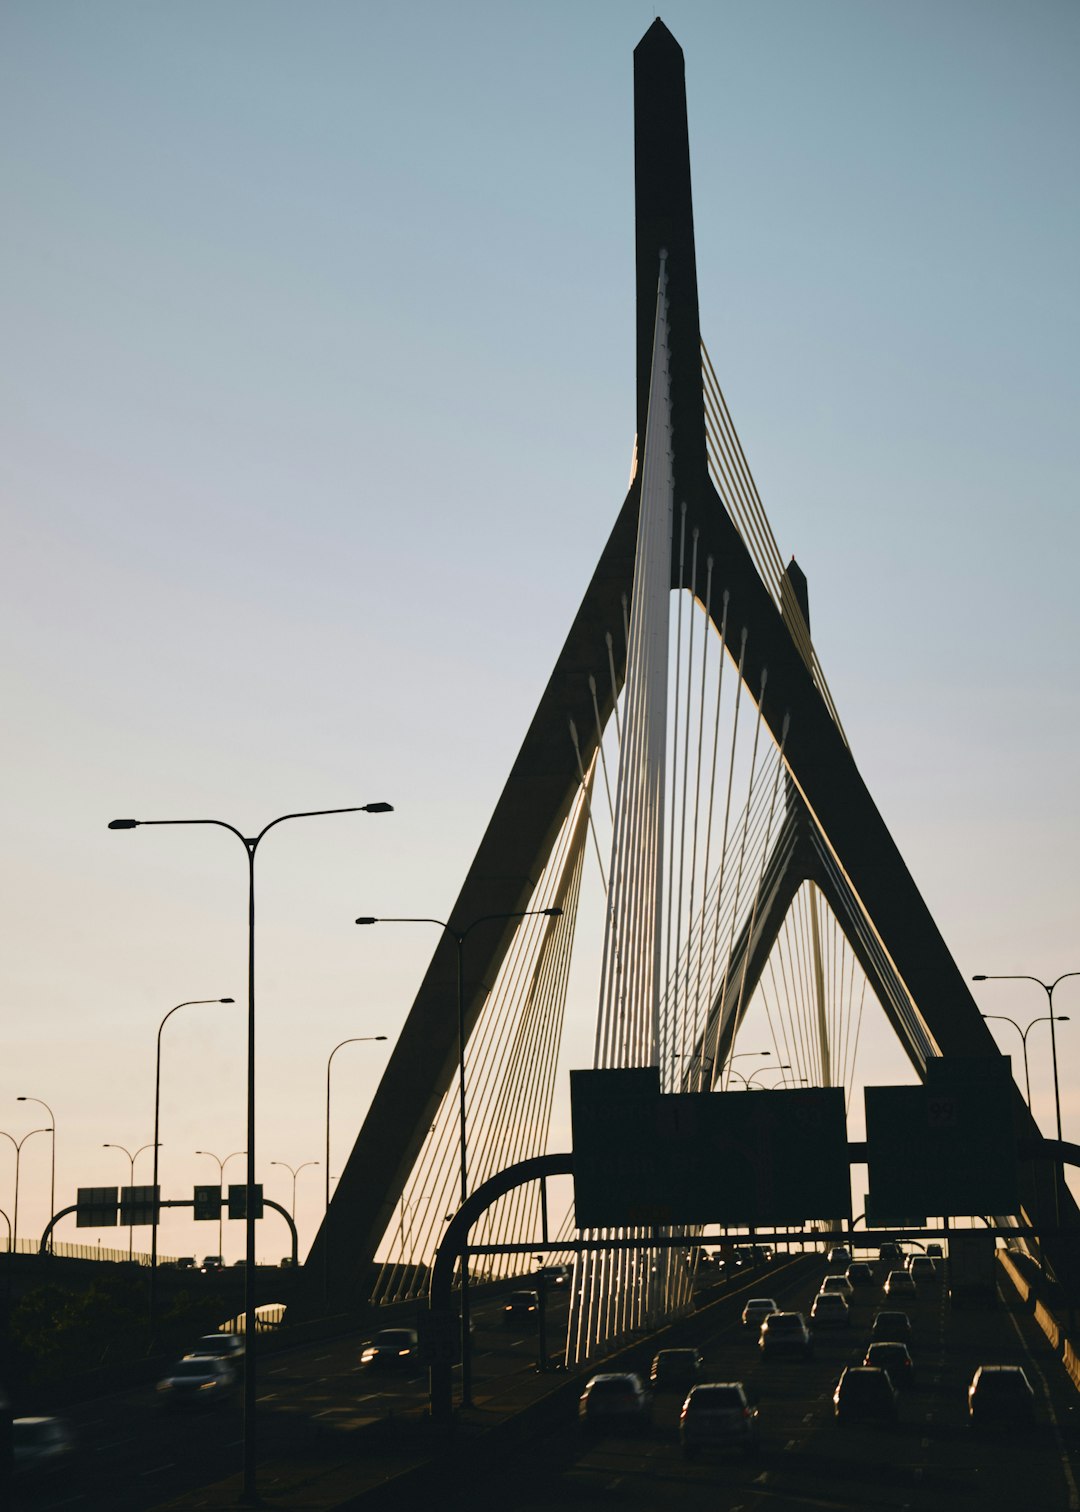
[(688, 758)]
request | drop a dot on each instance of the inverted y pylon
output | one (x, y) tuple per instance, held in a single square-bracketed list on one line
[(832, 830)]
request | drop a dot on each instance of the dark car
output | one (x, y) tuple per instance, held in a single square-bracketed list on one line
[(521, 1307), (676, 1369), (896, 1359), (718, 1413), (860, 1274), (785, 1333), (1001, 1395), (391, 1349), (197, 1381), (864, 1393), (42, 1450), (615, 1400), (893, 1327)]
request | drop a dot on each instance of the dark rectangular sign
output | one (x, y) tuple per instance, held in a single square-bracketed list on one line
[(745, 1158), (207, 1204), (138, 1205), (96, 1207), (238, 1200)]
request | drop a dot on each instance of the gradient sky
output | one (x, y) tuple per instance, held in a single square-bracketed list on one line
[(318, 408)]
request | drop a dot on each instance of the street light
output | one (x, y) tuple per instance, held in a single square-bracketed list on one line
[(766, 1071), (18, 1143), (131, 1158), (1048, 988), (354, 1040), (221, 1182), (52, 1179), (249, 1493), (155, 1210), (459, 937), (1023, 1033), (294, 1172)]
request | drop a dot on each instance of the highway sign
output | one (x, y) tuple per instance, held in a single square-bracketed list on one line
[(238, 1200), (96, 1207), (207, 1204)]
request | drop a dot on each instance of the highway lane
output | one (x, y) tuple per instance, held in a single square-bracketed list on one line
[(136, 1452), (930, 1461)]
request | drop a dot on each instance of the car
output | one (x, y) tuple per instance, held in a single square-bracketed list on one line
[(211, 1265), (615, 1400), (286, 1262), (185, 1262), (757, 1310), (839, 1284), (921, 1268), (197, 1381), (391, 1349), (676, 1368), (900, 1283), (555, 1275), (218, 1346), (1001, 1395), (521, 1307), (935, 1251), (838, 1255), (718, 1413), (785, 1333), (891, 1326), (42, 1449), (830, 1310), (890, 1250), (894, 1357), (859, 1273), (864, 1393)]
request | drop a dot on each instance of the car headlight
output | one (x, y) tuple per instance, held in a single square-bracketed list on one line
[(404, 1353)]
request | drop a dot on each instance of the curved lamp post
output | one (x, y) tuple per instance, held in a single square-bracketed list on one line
[(249, 1492), (356, 1039), (221, 1182), (1045, 1018), (18, 1143), (52, 1180), (131, 1158), (459, 937), (191, 1003)]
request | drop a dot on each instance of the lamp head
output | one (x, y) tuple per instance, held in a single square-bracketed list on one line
[(552, 913), (979, 978), (367, 921), (124, 823), (378, 808), (226, 1000), (380, 1036)]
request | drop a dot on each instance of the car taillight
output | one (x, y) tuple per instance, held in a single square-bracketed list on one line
[(746, 1412)]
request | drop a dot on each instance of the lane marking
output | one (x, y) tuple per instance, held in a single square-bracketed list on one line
[(158, 1469)]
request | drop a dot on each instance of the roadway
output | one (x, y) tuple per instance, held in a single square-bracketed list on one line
[(315, 1400), (930, 1461), (135, 1453)]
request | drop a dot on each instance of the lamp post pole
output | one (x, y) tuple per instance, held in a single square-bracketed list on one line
[(18, 1143), (132, 1158), (221, 1182), (356, 1039), (191, 1003), (52, 1180), (459, 937), (249, 1492), (1023, 1033), (1048, 988)]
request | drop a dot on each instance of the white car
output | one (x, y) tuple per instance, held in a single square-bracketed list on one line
[(840, 1285), (718, 1413), (830, 1310), (615, 1399), (757, 1310)]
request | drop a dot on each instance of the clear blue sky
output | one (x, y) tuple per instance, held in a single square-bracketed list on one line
[(318, 406)]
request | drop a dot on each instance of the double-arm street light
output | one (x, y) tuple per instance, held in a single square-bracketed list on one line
[(1048, 988), (752, 1079), (18, 1143), (52, 1180), (459, 936), (131, 1159), (249, 1493), (1046, 1018), (221, 1182), (294, 1172)]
